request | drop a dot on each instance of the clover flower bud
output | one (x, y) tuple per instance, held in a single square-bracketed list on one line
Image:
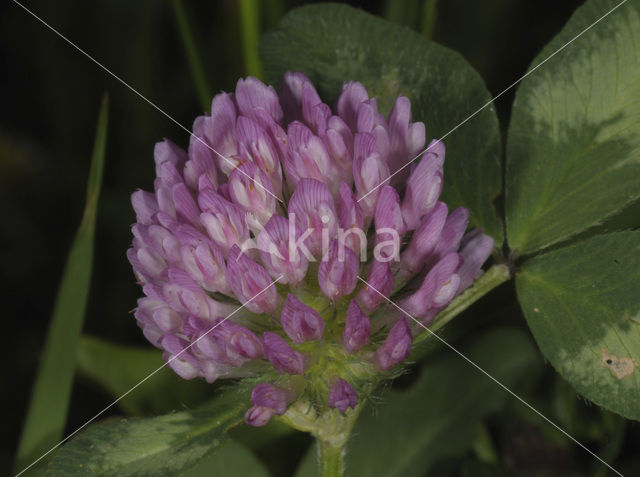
[(342, 396), (284, 358), (315, 213), (258, 416), (378, 287), (268, 395), (424, 240), (438, 288), (351, 221), (424, 185), (356, 329), (338, 271), (396, 347), (251, 283), (475, 249), (278, 252), (300, 322)]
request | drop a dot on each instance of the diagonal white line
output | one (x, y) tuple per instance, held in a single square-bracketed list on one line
[(145, 379), (496, 97), (147, 100), (463, 356)]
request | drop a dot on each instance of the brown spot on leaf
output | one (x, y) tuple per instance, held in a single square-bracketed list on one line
[(619, 367)]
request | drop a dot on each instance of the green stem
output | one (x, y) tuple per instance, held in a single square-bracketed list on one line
[(496, 275), (195, 65), (429, 13), (330, 459), (250, 29)]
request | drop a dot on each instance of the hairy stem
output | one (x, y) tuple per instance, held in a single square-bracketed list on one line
[(330, 459)]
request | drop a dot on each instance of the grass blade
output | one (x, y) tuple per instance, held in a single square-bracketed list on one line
[(195, 65), (47, 412)]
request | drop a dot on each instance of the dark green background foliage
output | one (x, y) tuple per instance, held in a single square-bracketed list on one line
[(441, 418)]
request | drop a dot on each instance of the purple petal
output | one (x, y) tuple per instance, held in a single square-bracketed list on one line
[(300, 322), (388, 213), (290, 93), (368, 117), (251, 189), (223, 220), (145, 205), (164, 197), (396, 347), (351, 222), (184, 295), (339, 140), (219, 131), (251, 94), (168, 151), (342, 396), (245, 344), (250, 283), (406, 139), (178, 357), (475, 249), (438, 288), (284, 359), (256, 145), (205, 263), (424, 185), (353, 93), (316, 115), (338, 271), (301, 102), (202, 162), (258, 416), (156, 312), (389, 225), (379, 281), (424, 240), (268, 395), (147, 263), (451, 235), (224, 341), (182, 367), (152, 333), (307, 156), (356, 329), (369, 171), (278, 254), (186, 208), (315, 212)]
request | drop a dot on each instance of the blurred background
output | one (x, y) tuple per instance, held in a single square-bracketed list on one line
[(50, 97)]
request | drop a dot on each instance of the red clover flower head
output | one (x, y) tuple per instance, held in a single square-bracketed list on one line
[(270, 247)]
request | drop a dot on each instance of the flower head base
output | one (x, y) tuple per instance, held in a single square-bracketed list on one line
[(253, 250)]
